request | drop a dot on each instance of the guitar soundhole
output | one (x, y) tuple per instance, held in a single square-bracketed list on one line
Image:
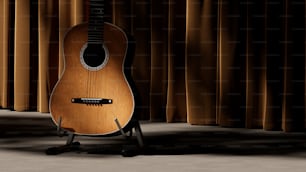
[(94, 57)]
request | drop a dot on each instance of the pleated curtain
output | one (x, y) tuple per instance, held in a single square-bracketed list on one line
[(232, 63)]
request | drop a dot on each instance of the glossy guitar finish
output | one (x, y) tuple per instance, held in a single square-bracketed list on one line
[(78, 97)]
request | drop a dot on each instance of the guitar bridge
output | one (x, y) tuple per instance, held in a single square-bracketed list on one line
[(92, 101)]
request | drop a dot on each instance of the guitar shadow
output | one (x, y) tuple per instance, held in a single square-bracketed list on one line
[(36, 135)]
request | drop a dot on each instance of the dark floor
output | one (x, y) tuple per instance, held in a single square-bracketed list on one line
[(25, 137)]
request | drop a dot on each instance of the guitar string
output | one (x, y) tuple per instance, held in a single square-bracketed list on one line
[(93, 9), (93, 77)]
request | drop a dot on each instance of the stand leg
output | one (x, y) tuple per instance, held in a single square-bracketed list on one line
[(131, 151), (137, 131), (70, 139), (69, 146), (139, 135)]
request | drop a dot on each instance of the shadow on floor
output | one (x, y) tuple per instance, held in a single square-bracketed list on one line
[(35, 135)]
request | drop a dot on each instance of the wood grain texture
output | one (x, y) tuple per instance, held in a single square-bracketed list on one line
[(109, 82)]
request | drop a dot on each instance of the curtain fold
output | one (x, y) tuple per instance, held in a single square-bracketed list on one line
[(201, 62), (176, 109), (255, 63), (159, 58), (4, 50), (294, 66), (48, 48), (232, 63), (22, 55)]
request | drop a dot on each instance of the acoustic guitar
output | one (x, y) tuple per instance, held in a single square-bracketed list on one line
[(93, 95)]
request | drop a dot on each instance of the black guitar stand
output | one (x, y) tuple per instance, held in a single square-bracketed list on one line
[(72, 145)]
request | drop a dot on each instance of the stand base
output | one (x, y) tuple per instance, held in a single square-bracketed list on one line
[(75, 146)]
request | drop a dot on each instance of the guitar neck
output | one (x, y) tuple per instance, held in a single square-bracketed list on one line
[(96, 22)]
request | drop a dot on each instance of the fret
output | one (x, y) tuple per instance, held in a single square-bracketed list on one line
[(96, 22)]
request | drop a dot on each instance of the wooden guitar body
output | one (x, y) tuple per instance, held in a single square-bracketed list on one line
[(89, 98)]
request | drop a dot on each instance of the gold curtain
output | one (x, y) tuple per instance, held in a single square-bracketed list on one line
[(208, 62), (4, 31)]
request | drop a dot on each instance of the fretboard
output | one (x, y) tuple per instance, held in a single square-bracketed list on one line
[(95, 23)]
